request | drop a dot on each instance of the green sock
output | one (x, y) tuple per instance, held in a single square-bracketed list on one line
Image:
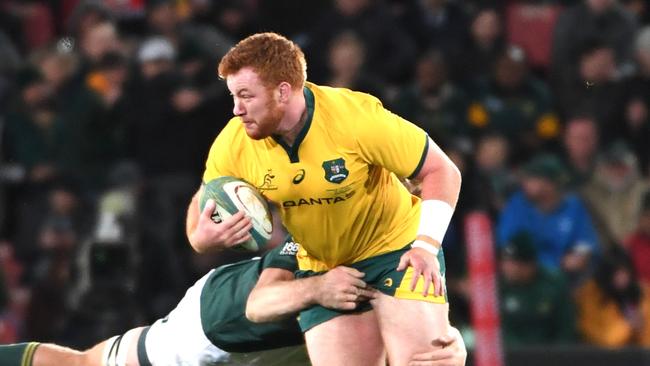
[(19, 354)]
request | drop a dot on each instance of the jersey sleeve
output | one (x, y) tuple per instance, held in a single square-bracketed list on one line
[(220, 160), (283, 256), (388, 140)]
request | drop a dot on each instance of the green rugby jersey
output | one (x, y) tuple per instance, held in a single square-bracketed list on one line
[(223, 305)]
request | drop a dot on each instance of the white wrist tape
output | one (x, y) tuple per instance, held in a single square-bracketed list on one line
[(435, 216), (426, 246)]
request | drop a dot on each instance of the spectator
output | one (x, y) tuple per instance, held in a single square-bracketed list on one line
[(638, 243), (580, 145), (597, 87), (513, 103), (582, 23), (86, 15), (9, 64), (636, 129), (34, 133), (638, 9), (164, 19), (237, 19), (437, 24), (432, 101), (98, 40), (485, 43), (347, 66), (533, 300), (158, 137), (89, 146), (59, 233), (109, 80), (35, 138), (80, 103), (560, 225), (59, 68), (199, 97), (389, 48), (493, 169), (613, 307), (614, 194)]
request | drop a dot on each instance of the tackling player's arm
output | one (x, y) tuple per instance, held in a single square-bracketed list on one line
[(205, 235), (278, 295)]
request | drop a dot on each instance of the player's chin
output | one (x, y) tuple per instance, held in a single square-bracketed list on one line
[(256, 135), (253, 132)]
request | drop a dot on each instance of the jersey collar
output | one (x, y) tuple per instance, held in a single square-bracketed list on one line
[(292, 150)]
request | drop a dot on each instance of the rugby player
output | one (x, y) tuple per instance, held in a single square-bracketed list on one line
[(330, 159), (209, 327)]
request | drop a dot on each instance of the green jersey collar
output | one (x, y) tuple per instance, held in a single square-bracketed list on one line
[(292, 150)]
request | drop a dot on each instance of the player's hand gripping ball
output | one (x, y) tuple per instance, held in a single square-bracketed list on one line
[(233, 194)]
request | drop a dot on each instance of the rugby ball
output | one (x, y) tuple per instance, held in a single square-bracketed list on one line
[(232, 195)]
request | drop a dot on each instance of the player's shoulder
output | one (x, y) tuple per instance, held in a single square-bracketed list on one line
[(343, 96), (233, 128), (232, 136)]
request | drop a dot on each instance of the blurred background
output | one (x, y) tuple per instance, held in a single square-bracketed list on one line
[(108, 109)]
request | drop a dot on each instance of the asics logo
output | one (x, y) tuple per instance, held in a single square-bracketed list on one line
[(299, 176)]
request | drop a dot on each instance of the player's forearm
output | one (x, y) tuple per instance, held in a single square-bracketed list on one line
[(281, 299)]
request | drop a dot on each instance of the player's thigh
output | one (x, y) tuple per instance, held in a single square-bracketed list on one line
[(408, 326), (346, 340)]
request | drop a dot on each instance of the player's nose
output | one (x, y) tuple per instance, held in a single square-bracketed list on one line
[(238, 109)]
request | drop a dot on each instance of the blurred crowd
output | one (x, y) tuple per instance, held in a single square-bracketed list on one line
[(108, 109)]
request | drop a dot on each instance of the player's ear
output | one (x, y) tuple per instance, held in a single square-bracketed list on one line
[(285, 91)]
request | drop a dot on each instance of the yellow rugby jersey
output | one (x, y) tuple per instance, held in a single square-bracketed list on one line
[(336, 188)]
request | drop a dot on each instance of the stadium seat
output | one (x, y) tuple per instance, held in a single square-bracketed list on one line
[(531, 27)]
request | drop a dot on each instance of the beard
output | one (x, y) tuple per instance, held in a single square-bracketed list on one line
[(267, 125)]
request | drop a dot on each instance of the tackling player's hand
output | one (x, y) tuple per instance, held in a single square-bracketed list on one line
[(424, 264), (447, 350), (342, 288), (229, 232)]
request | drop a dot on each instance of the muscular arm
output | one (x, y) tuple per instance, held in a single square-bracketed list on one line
[(440, 184), (278, 295), (440, 178)]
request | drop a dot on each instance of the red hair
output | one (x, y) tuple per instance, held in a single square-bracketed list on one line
[(273, 57)]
